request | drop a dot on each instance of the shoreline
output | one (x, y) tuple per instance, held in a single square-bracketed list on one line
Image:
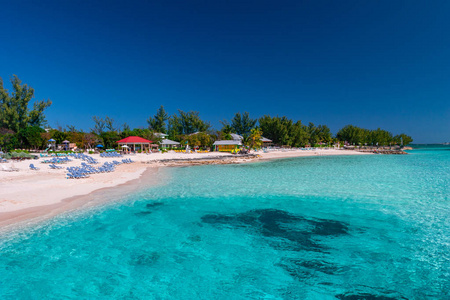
[(34, 197), (30, 216)]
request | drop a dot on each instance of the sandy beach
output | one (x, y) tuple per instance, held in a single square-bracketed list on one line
[(28, 194)]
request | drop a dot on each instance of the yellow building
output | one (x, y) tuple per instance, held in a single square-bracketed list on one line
[(227, 145)]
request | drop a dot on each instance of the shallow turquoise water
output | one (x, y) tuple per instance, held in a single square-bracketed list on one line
[(365, 227)]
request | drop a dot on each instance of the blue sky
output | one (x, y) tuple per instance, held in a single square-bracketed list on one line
[(368, 63)]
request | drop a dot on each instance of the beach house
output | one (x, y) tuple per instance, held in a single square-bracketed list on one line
[(166, 143), (229, 145), (266, 142)]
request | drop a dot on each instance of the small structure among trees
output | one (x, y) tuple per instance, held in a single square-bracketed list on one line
[(135, 143)]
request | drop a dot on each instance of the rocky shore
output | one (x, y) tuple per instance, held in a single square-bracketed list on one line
[(382, 151), (212, 160)]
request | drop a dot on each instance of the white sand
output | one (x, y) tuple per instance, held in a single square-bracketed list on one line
[(20, 191)]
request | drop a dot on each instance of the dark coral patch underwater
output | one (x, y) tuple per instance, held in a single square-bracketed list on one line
[(279, 224)]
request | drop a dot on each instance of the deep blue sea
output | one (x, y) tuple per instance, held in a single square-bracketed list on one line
[(345, 227)]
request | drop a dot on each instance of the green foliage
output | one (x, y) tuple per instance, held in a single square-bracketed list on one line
[(58, 136), (110, 124), (319, 135), (175, 127), (109, 139), (284, 132), (352, 134), (380, 137), (71, 128), (125, 127), (225, 132), (14, 111), (186, 123), (158, 122), (276, 128), (198, 139), (299, 135), (20, 154), (402, 139), (254, 140), (30, 137), (88, 140), (99, 125), (191, 122), (8, 140), (242, 124), (359, 136)]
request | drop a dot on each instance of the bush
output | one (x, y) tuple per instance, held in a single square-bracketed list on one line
[(20, 151), (17, 154)]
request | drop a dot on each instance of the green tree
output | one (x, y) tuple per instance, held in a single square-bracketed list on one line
[(402, 139), (191, 122), (109, 139), (14, 111), (89, 140), (71, 128), (126, 131), (277, 129), (8, 140), (313, 134), (380, 137), (323, 134), (30, 137), (175, 127), (110, 124), (158, 122), (99, 125), (351, 134), (299, 135), (359, 136), (242, 124), (186, 123), (58, 136), (226, 131), (202, 139), (254, 140)]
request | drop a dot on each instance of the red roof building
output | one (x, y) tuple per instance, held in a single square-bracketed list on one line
[(135, 142)]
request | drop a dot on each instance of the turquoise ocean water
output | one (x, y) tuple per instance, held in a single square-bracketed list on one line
[(347, 227)]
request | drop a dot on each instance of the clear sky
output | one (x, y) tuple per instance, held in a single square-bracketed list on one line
[(368, 63)]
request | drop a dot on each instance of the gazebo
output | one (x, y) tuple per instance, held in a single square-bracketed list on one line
[(133, 142), (66, 145)]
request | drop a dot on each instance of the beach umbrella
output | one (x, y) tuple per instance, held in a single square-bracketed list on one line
[(66, 142), (125, 146), (52, 140), (99, 146)]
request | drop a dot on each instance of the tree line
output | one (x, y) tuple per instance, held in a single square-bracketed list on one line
[(26, 128), (359, 136)]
